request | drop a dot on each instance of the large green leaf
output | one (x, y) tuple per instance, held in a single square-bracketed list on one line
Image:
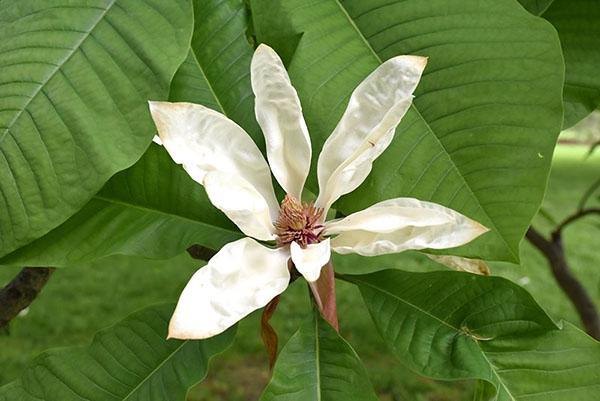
[(129, 361), (154, 209), (318, 365), (578, 26), (487, 112), (450, 325), (74, 82)]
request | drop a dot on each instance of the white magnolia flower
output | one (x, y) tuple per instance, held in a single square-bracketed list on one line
[(245, 275)]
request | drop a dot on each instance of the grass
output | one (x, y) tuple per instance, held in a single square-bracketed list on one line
[(80, 300)]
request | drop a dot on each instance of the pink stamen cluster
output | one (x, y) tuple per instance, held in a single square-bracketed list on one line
[(298, 222)]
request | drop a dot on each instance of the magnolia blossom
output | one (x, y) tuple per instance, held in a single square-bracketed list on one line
[(217, 153)]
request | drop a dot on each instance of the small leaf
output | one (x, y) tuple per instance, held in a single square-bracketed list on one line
[(130, 361), (450, 325), (318, 365)]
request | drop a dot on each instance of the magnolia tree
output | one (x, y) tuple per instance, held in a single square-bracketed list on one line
[(294, 140)]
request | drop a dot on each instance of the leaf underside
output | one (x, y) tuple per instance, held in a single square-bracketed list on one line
[(450, 325), (318, 365), (129, 361)]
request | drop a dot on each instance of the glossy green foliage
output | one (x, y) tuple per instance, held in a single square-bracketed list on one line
[(318, 365), (578, 26), (450, 325), (127, 362), (486, 114), (154, 209), (74, 82)]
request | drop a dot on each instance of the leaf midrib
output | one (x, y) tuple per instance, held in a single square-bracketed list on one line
[(160, 365), (356, 280), (458, 331), (157, 211), (514, 255), (161, 212), (57, 68), (208, 83), (317, 358), (500, 381)]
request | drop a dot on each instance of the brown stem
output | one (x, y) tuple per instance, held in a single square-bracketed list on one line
[(21, 291), (553, 251), (574, 217), (588, 194)]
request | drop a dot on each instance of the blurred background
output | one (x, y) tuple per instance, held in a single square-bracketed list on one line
[(80, 300)]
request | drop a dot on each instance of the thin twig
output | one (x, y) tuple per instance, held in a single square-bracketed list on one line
[(553, 251), (21, 291), (574, 217), (588, 194)]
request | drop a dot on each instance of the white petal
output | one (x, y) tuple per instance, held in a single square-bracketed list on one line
[(367, 127), (475, 266), (242, 203), (203, 141), (157, 140), (310, 260), (400, 224), (242, 277), (279, 113)]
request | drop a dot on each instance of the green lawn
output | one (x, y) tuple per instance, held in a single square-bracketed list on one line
[(82, 299)]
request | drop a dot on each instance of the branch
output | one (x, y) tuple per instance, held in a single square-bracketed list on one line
[(554, 253), (574, 217), (594, 146), (21, 291), (588, 194)]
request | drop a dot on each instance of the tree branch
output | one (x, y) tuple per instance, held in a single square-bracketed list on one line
[(588, 194), (574, 217), (553, 251), (21, 291)]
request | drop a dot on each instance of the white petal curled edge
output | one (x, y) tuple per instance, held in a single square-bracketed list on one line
[(310, 260), (203, 140), (279, 113), (242, 203), (242, 277), (367, 127), (401, 224)]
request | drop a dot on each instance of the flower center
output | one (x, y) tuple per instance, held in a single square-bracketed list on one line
[(298, 222)]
